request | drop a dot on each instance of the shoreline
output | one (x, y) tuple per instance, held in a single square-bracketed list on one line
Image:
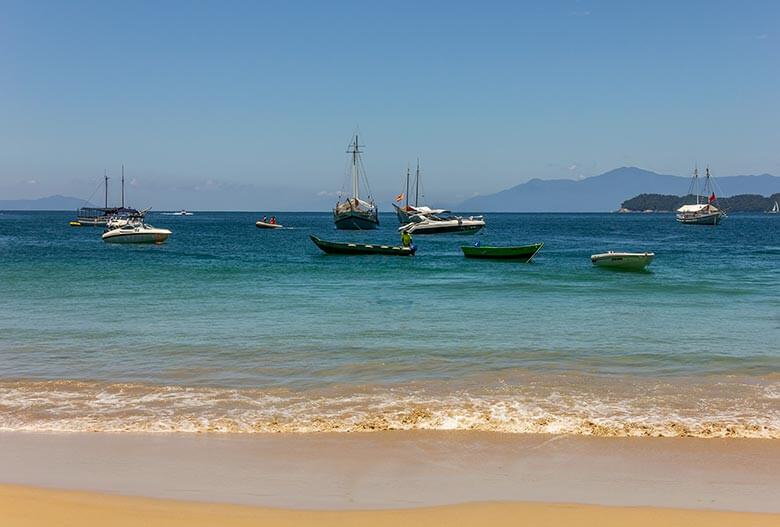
[(33, 507), (401, 470)]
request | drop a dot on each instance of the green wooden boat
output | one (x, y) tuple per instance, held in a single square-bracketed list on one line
[(523, 253), (362, 248)]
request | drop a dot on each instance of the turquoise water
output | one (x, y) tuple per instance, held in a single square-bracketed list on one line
[(227, 327)]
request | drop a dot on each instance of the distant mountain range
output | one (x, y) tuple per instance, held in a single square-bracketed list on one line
[(600, 193), (605, 192), (50, 203)]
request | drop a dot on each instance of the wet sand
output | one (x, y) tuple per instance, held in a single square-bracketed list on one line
[(27, 507), (401, 470)]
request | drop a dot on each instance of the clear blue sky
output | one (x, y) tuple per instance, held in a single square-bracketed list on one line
[(220, 103)]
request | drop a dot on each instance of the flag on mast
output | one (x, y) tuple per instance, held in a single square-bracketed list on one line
[(711, 198), (399, 197)]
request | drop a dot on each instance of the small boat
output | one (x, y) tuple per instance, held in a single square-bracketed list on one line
[(775, 209), (625, 261), (701, 213), (137, 232), (434, 224), (362, 248), (75, 224), (182, 212), (523, 253), (266, 225), (355, 213)]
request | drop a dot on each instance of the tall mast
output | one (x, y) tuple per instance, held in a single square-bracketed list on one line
[(105, 183), (407, 187), (417, 184), (123, 185), (355, 172), (696, 183)]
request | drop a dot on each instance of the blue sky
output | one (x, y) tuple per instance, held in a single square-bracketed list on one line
[(252, 104)]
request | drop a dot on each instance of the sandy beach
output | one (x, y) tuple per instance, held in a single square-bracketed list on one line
[(464, 478), (29, 507)]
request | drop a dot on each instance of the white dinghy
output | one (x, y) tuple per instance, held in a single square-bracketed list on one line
[(625, 261)]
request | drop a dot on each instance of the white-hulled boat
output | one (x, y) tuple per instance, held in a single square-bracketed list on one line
[(626, 261), (433, 224), (775, 209), (701, 213), (136, 232)]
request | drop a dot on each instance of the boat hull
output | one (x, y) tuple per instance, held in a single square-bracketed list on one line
[(623, 261), (462, 228), (355, 221), (522, 253), (156, 236), (701, 219), (264, 225), (362, 248)]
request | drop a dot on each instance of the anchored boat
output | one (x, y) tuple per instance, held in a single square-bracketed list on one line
[(624, 261), (362, 248), (355, 213), (407, 211), (701, 213), (433, 224), (522, 253), (137, 232)]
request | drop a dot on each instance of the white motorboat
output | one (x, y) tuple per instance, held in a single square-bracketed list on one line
[(701, 213), (625, 261), (433, 224), (136, 232), (182, 212)]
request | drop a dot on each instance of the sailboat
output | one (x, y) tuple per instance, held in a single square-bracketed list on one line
[(406, 212), (124, 215), (94, 216), (701, 213), (775, 209), (355, 213)]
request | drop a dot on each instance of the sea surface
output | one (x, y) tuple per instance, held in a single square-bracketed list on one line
[(230, 328)]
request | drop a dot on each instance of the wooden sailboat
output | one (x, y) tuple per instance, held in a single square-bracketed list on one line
[(701, 213), (355, 213)]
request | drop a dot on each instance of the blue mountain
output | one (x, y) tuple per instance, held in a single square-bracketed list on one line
[(606, 192), (49, 203)]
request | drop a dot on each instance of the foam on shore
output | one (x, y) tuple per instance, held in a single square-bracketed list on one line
[(742, 410)]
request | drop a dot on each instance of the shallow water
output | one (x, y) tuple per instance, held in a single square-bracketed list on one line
[(229, 327)]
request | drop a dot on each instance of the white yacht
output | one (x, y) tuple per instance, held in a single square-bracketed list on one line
[(433, 224), (136, 232)]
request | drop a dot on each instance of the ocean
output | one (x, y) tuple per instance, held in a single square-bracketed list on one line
[(230, 328)]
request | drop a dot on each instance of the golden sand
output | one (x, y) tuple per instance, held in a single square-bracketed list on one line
[(34, 507)]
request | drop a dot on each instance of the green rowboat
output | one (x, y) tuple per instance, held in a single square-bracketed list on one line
[(362, 248), (523, 253)]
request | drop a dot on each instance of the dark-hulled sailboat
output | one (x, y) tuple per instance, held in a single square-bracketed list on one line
[(355, 213)]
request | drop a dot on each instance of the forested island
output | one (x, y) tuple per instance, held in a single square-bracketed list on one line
[(668, 203)]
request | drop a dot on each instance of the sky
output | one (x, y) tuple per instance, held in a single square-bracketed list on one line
[(251, 105)]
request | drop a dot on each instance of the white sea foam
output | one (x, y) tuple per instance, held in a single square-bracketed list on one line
[(73, 406)]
